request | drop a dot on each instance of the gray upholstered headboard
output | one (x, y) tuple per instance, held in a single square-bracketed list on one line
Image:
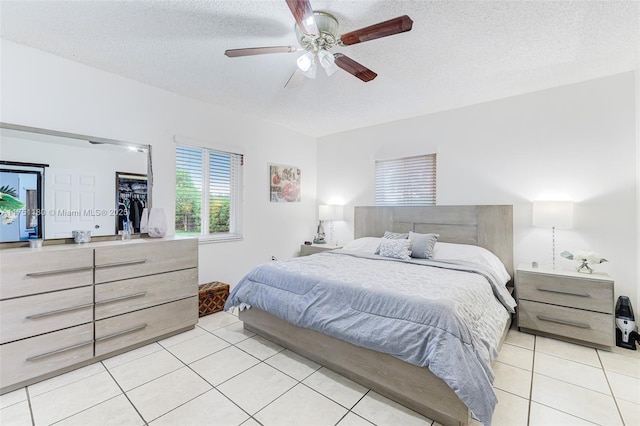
[(490, 227)]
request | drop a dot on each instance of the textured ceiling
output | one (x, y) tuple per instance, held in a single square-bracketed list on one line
[(458, 53)]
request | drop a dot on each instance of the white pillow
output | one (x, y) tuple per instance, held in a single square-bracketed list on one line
[(473, 254), (366, 244), (395, 249)]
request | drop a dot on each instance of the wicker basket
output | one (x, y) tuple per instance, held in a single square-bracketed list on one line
[(212, 297)]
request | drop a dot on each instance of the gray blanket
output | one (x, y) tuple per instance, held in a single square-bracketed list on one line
[(444, 316)]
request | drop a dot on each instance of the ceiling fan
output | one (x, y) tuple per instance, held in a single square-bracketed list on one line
[(317, 32)]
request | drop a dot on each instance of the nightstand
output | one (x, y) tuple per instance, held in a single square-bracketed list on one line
[(567, 305), (306, 250)]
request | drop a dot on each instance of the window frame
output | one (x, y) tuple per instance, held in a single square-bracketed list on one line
[(236, 193)]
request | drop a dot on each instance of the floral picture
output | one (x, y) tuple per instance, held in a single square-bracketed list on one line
[(285, 183)]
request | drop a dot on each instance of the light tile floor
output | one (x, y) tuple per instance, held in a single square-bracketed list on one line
[(219, 374)]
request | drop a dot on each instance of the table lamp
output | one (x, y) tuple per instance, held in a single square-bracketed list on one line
[(553, 214)]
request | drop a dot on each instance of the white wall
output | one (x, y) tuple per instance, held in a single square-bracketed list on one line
[(575, 142), (42, 90)]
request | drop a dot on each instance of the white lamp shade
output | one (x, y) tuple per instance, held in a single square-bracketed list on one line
[(549, 214), (330, 212), (338, 212)]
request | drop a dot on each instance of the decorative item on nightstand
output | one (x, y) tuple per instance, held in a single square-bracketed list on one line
[(330, 213), (585, 259), (553, 214), (320, 235)]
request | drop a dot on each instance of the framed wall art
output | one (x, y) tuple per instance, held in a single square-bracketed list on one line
[(284, 182)]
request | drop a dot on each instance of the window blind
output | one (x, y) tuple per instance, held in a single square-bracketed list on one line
[(409, 181), (189, 184), (225, 192), (208, 192)]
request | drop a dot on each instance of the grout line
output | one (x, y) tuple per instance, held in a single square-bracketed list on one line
[(124, 393), (33, 421), (213, 387), (298, 382), (533, 366), (606, 377)]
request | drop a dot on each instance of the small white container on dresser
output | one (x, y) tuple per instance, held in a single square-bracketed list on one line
[(567, 305), (65, 306)]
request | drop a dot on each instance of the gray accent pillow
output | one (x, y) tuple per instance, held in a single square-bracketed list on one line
[(395, 248), (422, 245)]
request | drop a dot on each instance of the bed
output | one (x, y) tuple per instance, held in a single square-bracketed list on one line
[(346, 310)]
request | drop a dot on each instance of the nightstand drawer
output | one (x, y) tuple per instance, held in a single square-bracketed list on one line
[(306, 249), (577, 324), (590, 294)]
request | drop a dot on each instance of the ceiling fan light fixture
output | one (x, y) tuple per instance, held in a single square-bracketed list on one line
[(307, 64), (327, 61), (305, 61), (311, 72)]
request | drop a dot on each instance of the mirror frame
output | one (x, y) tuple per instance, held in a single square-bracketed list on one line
[(100, 140)]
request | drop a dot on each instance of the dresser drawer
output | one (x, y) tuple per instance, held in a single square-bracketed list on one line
[(137, 260), (32, 315), (135, 327), (29, 358), (32, 272), (577, 324), (583, 293), (119, 297)]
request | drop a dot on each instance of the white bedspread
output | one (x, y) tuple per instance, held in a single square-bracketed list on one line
[(423, 312)]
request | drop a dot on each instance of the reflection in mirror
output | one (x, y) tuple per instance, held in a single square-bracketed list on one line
[(20, 204), (132, 201), (77, 175)]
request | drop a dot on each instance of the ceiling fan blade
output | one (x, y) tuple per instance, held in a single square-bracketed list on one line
[(353, 67), (303, 14), (382, 29), (234, 53), (296, 79)]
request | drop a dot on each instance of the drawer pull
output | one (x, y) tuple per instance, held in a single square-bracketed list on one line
[(572, 293), (563, 322), (59, 271), (125, 297), (60, 311), (125, 263), (120, 333), (58, 351)]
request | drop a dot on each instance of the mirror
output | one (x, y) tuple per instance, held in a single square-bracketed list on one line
[(64, 182)]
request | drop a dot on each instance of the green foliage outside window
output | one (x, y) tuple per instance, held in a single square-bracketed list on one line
[(187, 204), (219, 215)]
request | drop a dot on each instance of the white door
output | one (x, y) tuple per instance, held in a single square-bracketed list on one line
[(78, 200)]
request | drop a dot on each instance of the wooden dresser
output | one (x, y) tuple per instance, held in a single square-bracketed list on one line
[(65, 306), (567, 305)]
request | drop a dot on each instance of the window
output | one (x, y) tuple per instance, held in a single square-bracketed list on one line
[(208, 193), (409, 181)]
